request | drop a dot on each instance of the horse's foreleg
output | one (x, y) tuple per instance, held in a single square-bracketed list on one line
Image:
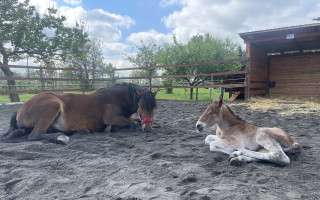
[(118, 121), (134, 119)]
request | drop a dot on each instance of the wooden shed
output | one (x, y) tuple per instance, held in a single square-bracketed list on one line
[(284, 61)]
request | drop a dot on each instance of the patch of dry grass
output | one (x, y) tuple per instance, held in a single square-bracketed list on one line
[(284, 105)]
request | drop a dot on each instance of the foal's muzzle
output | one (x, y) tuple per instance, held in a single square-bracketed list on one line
[(200, 126)]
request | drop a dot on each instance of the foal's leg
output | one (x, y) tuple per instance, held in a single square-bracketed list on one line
[(236, 161), (221, 145), (275, 153)]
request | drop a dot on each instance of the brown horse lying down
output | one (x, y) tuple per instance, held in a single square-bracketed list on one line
[(65, 113), (243, 141)]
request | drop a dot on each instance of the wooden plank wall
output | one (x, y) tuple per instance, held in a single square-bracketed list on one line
[(296, 75), (258, 71)]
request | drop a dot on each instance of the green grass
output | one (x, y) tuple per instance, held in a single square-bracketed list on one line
[(177, 94), (23, 97), (184, 94)]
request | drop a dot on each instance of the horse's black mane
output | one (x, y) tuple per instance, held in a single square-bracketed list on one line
[(148, 100)]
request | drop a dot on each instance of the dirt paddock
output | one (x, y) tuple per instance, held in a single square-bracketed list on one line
[(172, 162)]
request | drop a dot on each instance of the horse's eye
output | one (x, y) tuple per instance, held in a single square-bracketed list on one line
[(211, 114)]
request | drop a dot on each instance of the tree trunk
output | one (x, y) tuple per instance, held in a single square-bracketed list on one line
[(14, 97), (191, 93)]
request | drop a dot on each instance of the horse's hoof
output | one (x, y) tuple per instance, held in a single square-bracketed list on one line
[(83, 131), (63, 139), (235, 162)]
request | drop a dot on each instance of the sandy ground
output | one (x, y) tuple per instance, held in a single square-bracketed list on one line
[(172, 162)]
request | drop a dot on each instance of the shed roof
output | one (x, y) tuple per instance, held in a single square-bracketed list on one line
[(294, 38)]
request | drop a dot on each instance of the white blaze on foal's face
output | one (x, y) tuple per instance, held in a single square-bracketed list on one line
[(211, 116)]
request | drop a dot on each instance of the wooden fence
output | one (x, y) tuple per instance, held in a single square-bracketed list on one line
[(112, 78)]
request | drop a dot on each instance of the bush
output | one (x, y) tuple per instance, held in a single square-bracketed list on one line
[(168, 82)]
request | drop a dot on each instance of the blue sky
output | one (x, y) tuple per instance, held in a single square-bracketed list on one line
[(122, 24)]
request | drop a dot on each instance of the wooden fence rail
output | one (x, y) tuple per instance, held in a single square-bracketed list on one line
[(112, 78)]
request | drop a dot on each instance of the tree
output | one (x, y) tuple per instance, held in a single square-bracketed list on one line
[(25, 33), (90, 57), (199, 49), (147, 56)]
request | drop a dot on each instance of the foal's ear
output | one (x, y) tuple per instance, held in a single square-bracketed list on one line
[(218, 101)]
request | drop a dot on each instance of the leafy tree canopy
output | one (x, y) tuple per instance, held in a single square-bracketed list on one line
[(26, 33), (200, 49)]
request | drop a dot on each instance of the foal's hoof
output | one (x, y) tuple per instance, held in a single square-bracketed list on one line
[(235, 162), (63, 139)]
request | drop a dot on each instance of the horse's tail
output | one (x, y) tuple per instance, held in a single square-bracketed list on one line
[(14, 134)]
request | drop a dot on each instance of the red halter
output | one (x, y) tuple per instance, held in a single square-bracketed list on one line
[(144, 120), (140, 116)]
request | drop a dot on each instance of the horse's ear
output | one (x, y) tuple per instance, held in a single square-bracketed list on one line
[(139, 94), (155, 92)]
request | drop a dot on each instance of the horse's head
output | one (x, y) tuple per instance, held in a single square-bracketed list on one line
[(211, 116), (146, 105)]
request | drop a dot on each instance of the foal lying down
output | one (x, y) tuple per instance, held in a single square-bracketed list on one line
[(243, 141)]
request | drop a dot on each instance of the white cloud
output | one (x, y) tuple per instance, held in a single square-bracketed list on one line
[(42, 6), (102, 24), (73, 2), (99, 23), (114, 50), (151, 36)]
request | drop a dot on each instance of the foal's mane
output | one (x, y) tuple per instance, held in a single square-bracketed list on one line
[(233, 113)]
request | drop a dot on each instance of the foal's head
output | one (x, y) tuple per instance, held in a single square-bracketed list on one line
[(211, 116), (146, 105)]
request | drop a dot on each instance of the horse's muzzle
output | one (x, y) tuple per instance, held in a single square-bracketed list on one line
[(147, 127)]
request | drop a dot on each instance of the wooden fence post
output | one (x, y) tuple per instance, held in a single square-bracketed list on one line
[(247, 79), (113, 77), (211, 88), (150, 74), (197, 89), (41, 76)]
